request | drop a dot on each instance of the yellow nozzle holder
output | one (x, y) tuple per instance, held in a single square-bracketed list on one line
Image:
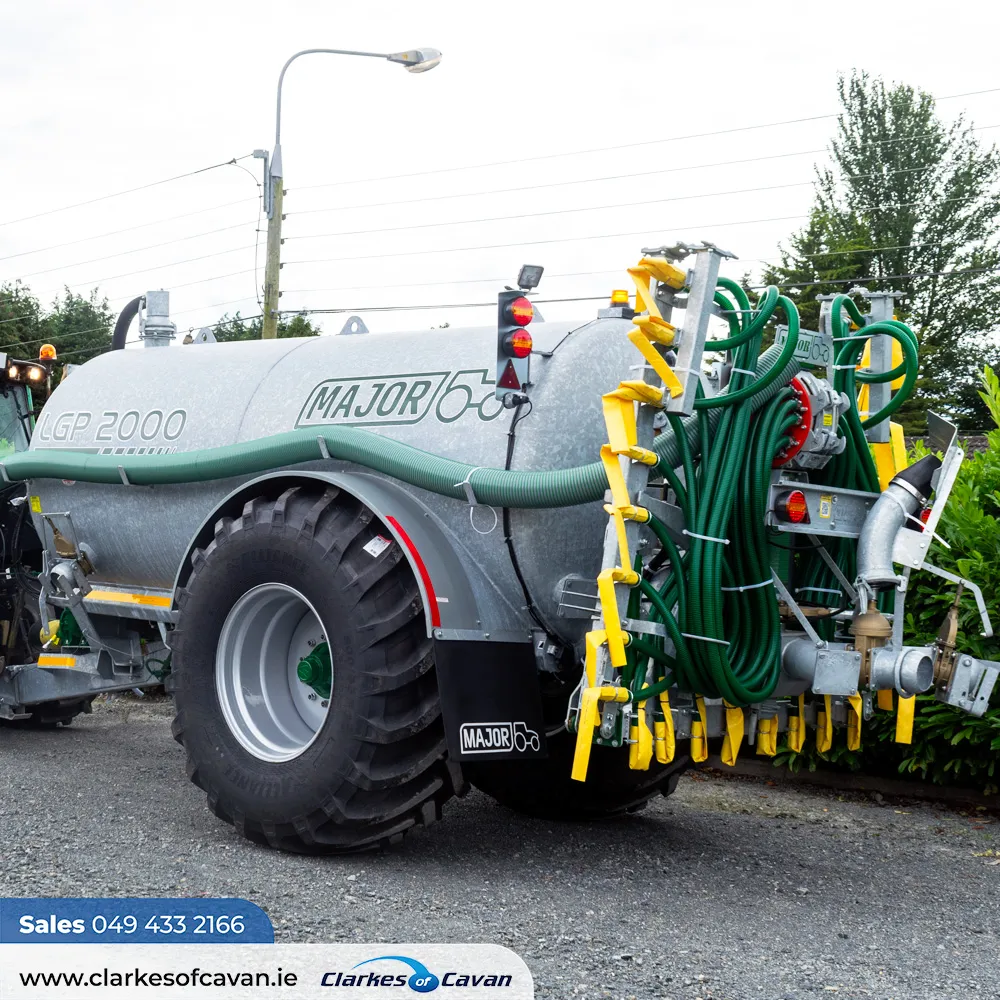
[(733, 738), (797, 727), (767, 736), (904, 719), (854, 709), (824, 726), (885, 700), (640, 751), (699, 733)]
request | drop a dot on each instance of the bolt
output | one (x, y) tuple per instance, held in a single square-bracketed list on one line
[(310, 642), (325, 704), (486, 635), (311, 696)]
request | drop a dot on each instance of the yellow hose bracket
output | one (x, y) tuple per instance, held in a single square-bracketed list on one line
[(595, 640), (616, 480), (615, 637), (733, 738), (640, 392), (898, 442), (619, 418), (885, 700), (673, 384), (824, 726), (640, 751), (656, 329), (885, 464), (854, 709), (630, 513), (586, 724), (904, 719), (666, 742), (662, 270), (797, 727), (767, 736), (699, 733)]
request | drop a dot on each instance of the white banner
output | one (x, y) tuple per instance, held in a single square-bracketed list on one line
[(277, 972)]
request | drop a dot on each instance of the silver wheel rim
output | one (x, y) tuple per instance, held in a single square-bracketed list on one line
[(273, 714)]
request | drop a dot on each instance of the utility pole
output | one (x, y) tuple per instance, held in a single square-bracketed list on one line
[(272, 267), (415, 61)]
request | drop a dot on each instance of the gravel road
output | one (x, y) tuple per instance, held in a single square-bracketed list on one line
[(731, 888)]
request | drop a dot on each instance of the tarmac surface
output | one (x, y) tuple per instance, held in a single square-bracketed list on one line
[(731, 888)]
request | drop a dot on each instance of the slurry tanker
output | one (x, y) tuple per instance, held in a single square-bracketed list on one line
[(555, 561)]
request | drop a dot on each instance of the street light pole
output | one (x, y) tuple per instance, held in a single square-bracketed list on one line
[(416, 61)]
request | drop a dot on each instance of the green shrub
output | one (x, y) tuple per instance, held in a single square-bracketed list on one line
[(949, 746)]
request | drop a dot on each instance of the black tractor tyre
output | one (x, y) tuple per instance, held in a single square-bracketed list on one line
[(377, 765), (544, 789)]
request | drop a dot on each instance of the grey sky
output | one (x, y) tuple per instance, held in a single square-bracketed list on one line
[(111, 94)]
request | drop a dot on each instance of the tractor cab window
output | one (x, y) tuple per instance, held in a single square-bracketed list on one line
[(15, 416)]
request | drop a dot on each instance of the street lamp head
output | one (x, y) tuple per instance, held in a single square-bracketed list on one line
[(416, 60)]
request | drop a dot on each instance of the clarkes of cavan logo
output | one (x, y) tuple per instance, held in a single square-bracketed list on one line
[(401, 399), (419, 980), (496, 737)]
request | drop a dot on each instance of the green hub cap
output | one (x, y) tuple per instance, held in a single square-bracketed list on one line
[(317, 671)]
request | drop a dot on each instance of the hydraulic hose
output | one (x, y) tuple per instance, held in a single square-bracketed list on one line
[(124, 321), (495, 487)]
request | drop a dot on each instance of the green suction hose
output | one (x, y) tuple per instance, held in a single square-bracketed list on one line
[(496, 487)]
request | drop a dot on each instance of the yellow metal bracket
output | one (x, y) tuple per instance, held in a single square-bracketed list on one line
[(904, 719), (767, 736), (797, 727), (733, 738), (854, 710), (699, 733), (663, 730), (824, 726)]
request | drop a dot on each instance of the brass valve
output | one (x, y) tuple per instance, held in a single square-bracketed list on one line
[(944, 645), (871, 629)]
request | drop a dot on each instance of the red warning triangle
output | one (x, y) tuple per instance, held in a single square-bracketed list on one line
[(509, 379)]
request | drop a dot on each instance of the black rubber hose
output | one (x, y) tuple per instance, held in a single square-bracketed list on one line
[(125, 318)]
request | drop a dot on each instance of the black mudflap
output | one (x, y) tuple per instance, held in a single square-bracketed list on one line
[(490, 700)]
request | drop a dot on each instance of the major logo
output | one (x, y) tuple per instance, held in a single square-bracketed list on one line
[(498, 737), (401, 399)]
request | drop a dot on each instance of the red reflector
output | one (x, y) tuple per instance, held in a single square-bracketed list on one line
[(519, 344), (509, 379), (521, 312), (925, 515), (792, 507)]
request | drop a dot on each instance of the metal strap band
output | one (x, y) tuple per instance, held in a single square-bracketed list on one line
[(838, 368), (752, 586), (704, 638), (706, 538), (742, 371)]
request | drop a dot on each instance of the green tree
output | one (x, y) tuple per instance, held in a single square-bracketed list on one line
[(20, 318), (231, 328), (79, 327), (911, 195)]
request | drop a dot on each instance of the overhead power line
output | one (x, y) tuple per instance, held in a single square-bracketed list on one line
[(127, 229), (126, 253), (608, 149), (610, 177), (119, 194)]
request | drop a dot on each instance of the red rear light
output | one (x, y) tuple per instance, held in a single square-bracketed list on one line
[(521, 312), (792, 507), (519, 344)]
